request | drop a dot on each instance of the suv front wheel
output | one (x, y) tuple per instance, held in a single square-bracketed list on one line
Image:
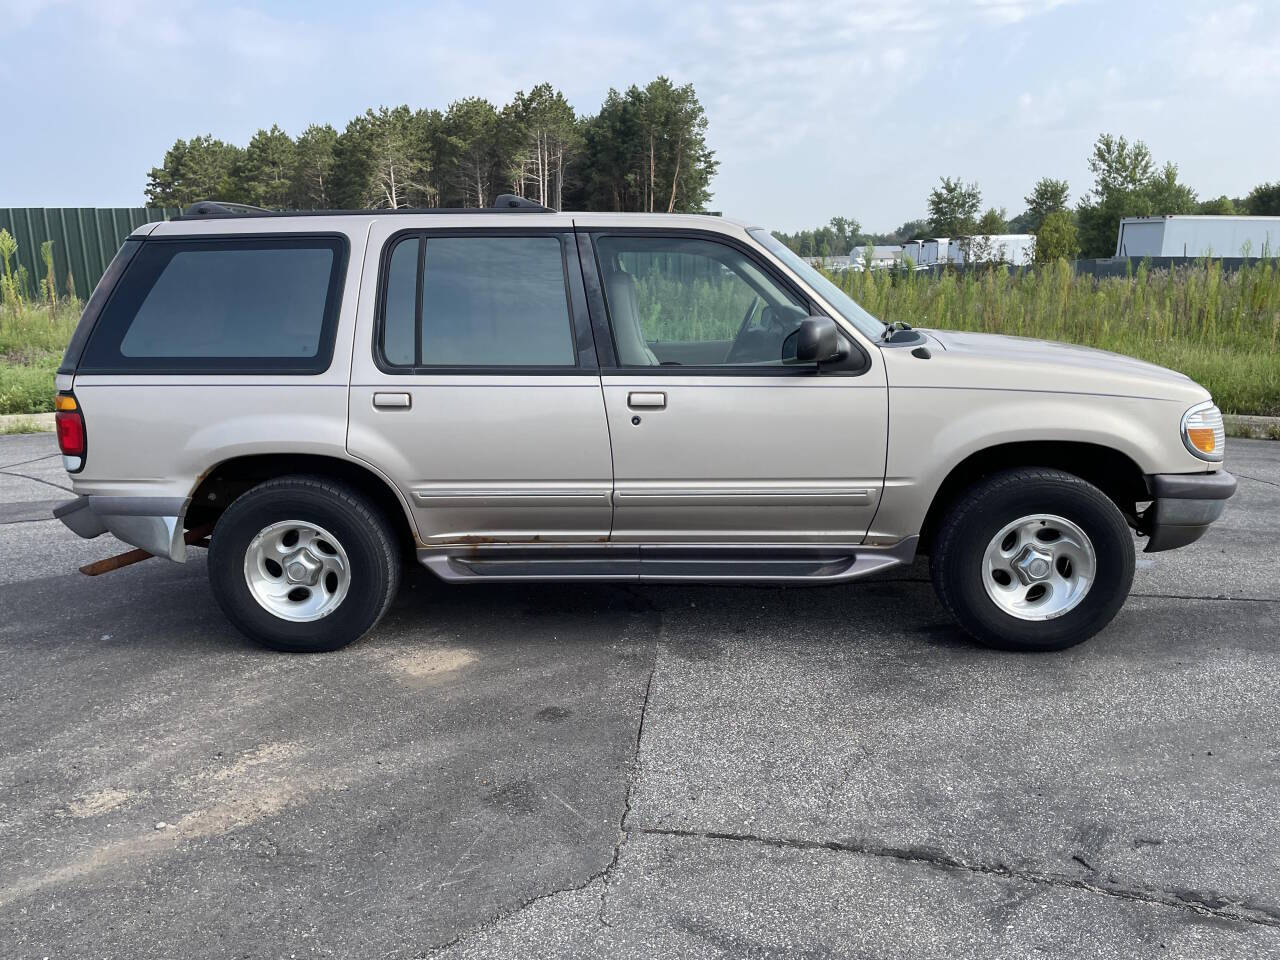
[(1033, 559), (303, 564)]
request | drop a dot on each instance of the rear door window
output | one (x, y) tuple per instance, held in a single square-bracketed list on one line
[(258, 305), (477, 301)]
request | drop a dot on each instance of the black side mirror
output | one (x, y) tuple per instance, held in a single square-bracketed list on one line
[(818, 341)]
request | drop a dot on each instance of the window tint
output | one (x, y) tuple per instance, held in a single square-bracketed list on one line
[(401, 303), (223, 305), (838, 299), (485, 301), (692, 302)]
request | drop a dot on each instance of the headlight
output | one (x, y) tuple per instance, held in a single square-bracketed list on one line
[(1203, 432)]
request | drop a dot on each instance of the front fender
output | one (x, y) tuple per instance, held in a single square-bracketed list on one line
[(932, 431)]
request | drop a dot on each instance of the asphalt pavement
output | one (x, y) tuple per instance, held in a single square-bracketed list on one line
[(626, 771)]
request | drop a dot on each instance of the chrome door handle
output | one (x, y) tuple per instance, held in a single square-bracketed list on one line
[(395, 401), (646, 399)]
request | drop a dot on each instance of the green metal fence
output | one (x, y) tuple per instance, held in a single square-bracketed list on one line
[(84, 241)]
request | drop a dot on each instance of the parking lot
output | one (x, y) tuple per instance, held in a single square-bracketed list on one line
[(628, 771)]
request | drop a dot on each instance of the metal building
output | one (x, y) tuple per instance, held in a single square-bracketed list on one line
[(882, 255), (1198, 236)]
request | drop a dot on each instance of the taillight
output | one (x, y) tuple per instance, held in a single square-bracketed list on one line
[(69, 422)]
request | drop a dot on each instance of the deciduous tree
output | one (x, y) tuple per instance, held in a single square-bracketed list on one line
[(1264, 200), (1056, 238), (1222, 206), (993, 222), (953, 207), (1126, 184), (1046, 197)]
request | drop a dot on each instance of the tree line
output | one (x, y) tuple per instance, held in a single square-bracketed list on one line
[(1127, 182), (644, 150)]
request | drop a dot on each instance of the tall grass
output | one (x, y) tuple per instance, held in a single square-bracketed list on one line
[(33, 332), (1221, 329), (32, 338)]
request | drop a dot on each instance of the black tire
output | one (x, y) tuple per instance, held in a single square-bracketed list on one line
[(979, 514), (364, 533)]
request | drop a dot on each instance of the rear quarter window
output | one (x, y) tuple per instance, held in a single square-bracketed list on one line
[(240, 305)]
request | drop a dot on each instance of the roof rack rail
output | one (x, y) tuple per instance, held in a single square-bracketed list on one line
[(509, 201), (215, 208)]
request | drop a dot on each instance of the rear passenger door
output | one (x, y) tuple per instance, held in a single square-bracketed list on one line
[(475, 384)]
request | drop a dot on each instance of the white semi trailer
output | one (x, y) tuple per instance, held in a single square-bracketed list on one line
[(1198, 236), (1016, 248)]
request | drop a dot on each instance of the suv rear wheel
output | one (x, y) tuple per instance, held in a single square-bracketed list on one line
[(303, 564), (1033, 559)]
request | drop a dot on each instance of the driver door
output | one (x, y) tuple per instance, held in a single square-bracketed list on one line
[(716, 436)]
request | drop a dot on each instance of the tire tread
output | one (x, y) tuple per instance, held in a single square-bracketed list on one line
[(995, 487)]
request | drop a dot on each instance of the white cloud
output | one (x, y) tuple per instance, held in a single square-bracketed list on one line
[(1235, 50), (1014, 11), (815, 105)]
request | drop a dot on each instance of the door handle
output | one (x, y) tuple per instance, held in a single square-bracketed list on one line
[(394, 401), (649, 400)]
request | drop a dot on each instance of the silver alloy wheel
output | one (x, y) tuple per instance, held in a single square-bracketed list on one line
[(297, 570), (1039, 567)]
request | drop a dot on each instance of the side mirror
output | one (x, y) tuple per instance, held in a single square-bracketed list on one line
[(818, 341)]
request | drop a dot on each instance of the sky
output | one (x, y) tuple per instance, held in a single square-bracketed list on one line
[(816, 109)]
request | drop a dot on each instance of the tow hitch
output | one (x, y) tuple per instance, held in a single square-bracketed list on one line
[(195, 537)]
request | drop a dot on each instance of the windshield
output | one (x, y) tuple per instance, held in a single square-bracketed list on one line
[(838, 299)]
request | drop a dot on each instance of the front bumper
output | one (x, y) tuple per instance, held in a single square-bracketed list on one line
[(1183, 505), (152, 523)]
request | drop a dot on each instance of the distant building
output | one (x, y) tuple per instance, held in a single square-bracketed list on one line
[(882, 255), (1197, 236), (828, 263), (1015, 248)]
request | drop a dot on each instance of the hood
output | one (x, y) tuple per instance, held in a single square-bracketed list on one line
[(1022, 363)]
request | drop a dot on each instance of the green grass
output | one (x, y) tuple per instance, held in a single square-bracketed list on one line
[(32, 338), (21, 426), (1222, 330)]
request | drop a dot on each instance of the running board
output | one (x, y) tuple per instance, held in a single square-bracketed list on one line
[(675, 563)]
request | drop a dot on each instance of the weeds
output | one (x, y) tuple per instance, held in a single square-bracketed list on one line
[(1221, 329), (16, 427)]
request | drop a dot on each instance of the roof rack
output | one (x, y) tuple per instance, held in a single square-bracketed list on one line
[(218, 209), (509, 201), (211, 208)]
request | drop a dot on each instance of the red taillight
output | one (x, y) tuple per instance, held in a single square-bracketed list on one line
[(69, 423)]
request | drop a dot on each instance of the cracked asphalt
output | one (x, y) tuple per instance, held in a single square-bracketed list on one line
[(622, 771)]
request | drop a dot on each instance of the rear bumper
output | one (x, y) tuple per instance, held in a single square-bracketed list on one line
[(152, 523), (1183, 506)]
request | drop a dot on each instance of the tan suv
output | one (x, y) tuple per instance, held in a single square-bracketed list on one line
[(519, 394)]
